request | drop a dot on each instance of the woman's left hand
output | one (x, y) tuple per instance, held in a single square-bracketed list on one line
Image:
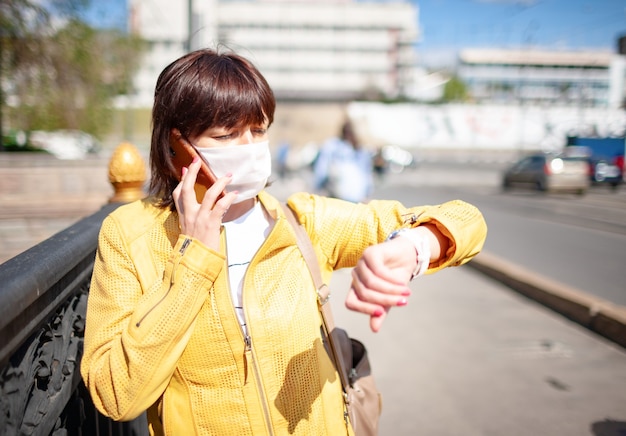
[(380, 279)]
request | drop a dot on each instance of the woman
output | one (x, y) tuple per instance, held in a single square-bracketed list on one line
[(343, 168), (204, 314)]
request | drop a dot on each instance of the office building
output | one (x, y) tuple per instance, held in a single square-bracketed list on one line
[(308, 50), (544, 78)]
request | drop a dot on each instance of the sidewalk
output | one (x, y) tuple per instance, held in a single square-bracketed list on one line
[(468, 356), (601, 316)]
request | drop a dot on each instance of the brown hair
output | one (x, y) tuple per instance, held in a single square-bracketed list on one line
[(348, 134), (200, 90)]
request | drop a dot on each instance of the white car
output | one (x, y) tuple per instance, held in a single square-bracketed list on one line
[(65, 144)]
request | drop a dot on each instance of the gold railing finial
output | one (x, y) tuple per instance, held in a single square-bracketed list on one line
[(127, 174)]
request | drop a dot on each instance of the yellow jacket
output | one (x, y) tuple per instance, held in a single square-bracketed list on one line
[(162, 334)]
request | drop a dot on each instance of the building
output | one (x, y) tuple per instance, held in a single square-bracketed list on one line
[(545, 78), (308, 50)]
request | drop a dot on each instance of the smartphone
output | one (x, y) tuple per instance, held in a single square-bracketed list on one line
[(183, 153)]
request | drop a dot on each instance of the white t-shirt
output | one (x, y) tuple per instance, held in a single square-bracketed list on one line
[(244, 237)]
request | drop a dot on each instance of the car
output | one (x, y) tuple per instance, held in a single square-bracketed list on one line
[(65, 144), (393, 158), (604, 171), (549, 172)]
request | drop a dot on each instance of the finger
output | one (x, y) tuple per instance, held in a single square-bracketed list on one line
[(376, 283), (376, 313), (190, 175), (354, 303), (184, 171), (176, 193), (219, 210), (210, 202), (376, 291), (184, 196), (224, 203), (376, 322), (376, 259), (184, 193)]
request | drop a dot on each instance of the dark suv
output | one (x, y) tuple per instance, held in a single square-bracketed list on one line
[(605, 171)]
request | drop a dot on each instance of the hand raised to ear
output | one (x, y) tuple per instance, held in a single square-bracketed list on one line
[(202, 221)]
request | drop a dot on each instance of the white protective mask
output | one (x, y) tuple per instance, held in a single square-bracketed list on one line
[(250, 165)]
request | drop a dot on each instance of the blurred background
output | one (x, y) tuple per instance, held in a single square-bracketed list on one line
[(517, 106), (422, 82), (423, 75)]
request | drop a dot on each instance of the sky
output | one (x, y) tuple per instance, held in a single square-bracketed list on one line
[(108, 13), (449, 25)]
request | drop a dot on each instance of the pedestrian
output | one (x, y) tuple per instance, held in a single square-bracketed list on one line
[(204, 314), (344, 169)]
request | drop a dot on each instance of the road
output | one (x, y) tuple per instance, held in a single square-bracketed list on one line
[(579, 241)]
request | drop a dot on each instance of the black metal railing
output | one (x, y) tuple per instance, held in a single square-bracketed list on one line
[(43, 299)]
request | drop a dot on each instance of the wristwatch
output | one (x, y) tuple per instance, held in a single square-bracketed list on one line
[(422, 249)]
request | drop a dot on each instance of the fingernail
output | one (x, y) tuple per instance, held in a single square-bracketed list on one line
[(229, 174), (407, 293), (195, 159), (402, 302), (185, 171), (378, 313)]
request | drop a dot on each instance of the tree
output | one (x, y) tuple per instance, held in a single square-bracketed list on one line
[(455, 90), (18, 46), (61, 72)]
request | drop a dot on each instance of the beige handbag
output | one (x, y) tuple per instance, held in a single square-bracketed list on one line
[(362, 399)]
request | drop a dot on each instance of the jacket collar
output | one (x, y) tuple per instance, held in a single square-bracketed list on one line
[(272, 205), (282, 235)]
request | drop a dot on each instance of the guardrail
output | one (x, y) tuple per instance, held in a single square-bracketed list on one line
[(43, 301)]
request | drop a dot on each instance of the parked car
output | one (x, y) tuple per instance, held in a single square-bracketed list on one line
[(549, 172), (604, 171), (18, 140), (393, 158), (65, 144)]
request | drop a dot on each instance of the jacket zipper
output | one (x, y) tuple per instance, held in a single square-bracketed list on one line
[(249, 356), (249, 359), (182, 250)]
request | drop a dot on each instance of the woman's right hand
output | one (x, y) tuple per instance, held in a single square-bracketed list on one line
[(202, 221)]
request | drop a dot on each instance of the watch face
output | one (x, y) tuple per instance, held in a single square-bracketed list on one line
[(394, 234)]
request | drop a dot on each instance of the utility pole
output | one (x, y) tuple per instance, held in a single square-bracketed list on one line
[(189, 24)]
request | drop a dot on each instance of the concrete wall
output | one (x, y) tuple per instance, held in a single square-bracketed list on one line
[(41, 195), (483, 127)]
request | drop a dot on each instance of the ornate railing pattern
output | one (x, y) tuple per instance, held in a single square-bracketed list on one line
[(43, 300)]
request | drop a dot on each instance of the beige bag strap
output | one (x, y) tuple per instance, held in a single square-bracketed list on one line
[(323, 292)]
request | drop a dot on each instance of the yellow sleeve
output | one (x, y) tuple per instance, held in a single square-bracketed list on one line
[(342, 230), (464, 226), (135, 336)]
